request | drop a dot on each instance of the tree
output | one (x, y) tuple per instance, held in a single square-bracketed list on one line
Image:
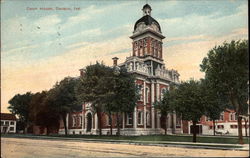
[(227, 68), (165, 106), (91, 88), (62, 98), (19, 105), (188, 102), (213, 101), (42, 113), (124, 94)]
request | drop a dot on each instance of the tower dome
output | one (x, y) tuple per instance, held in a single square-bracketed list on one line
[(147, 21)]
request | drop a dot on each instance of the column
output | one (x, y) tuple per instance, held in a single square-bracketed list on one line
[(133, 43), (152, 106), (169, 120), (174, 122), (67, 121), (123, 120), (135, 118), (96, 122), (145, 104), (157, 92), (83, 120)]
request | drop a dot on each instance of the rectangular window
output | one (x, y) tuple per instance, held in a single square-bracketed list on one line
[(140, 118), (222, 116), (81, 121), (233, 126), (2, 123), (12, 123), (129, 119), (7, 123), (11, 128)]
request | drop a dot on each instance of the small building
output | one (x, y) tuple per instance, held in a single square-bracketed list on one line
[(226, 125), (8, 123)]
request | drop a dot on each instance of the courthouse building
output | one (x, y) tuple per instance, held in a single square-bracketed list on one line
[(153, 79)]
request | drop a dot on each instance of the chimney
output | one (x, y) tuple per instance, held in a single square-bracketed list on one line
[(82, 72), (115, 61)]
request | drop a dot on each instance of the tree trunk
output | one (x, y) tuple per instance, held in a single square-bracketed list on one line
[(99, 116), (166, 126), (194, 131), (110, 122), (214, 126), (118, 123), (65, 123), (240, 130)]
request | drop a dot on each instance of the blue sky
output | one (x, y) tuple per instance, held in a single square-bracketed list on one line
[(41, 47)]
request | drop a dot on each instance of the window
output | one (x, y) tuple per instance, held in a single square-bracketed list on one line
[(81, 121), (140, 89), (147, 95), (220, 126), (148, 118), (233, 116), (129, 119), (222, 116), (2, 123), (208, 118), (11, 128), (210, 127), (73, 120), (140, 118), (107, 120), (178, 122), (233, 126), (7, 123), (11, 123)]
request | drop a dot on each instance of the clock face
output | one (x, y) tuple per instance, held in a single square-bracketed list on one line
[(140, 27)]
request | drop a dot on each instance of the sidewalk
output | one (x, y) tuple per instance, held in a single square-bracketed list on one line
[(215, 146)]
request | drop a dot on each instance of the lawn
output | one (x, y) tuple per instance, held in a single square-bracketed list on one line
[(173, 138), (154, 138)]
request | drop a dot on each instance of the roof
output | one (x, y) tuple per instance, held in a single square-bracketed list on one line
[(7, 116), (146, 6), (148, 20)]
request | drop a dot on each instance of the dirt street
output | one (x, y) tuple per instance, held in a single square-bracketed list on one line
[(20, 148)]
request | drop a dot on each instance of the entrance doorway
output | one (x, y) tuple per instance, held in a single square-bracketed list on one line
[(89, 122)]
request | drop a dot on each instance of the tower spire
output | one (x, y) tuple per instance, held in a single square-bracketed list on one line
[(146, 10)]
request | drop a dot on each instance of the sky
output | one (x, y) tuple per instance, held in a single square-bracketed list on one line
[(40, 47)]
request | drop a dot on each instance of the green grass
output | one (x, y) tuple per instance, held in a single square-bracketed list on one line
[(155, 138)]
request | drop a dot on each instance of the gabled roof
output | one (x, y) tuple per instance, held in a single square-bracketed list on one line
[(7, 116)]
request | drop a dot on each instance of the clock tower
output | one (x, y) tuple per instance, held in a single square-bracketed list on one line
[(147, 39)]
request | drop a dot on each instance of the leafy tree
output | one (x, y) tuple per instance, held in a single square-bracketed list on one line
[(165, 106), (213, 102), (227, 68), (62, 98), (91, 88), (188, 101), (124, 94), (19, 105), (42, 113)]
